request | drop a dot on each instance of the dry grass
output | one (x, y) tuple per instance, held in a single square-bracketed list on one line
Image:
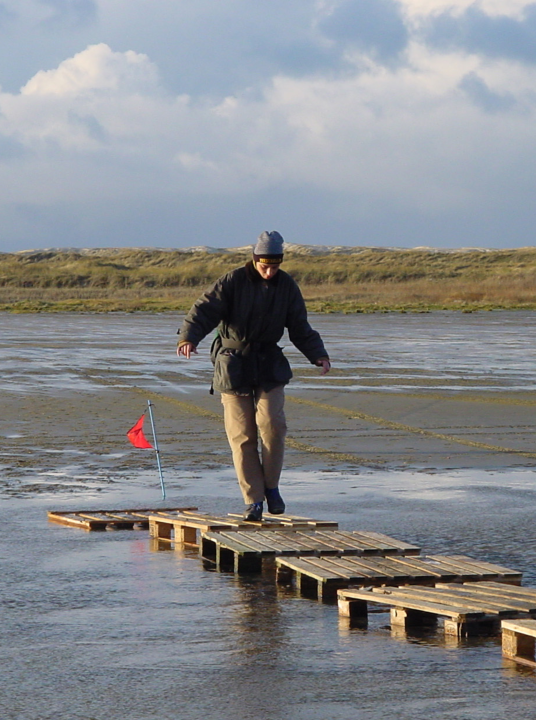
[(360, 280)]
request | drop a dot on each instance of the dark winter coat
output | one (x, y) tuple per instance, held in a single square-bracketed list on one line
[(251, 315)]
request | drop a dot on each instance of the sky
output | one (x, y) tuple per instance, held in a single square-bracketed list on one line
[(179, 123)]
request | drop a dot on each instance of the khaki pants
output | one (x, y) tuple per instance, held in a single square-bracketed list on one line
[(248, 419)]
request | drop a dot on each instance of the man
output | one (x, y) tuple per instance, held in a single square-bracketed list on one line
[(251, 307)]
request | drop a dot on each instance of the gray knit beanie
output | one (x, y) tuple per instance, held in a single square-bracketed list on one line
[(269, 247)]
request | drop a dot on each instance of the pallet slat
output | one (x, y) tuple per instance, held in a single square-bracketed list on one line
[(290, 542), (101, 519), (390, 570), (465, 609)]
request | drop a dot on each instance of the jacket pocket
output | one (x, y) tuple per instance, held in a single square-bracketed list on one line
[(277, 366), (228, 371)]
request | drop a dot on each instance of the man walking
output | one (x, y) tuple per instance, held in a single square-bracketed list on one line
[(251, 307)]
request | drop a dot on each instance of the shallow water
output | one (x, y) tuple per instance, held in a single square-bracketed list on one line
[(492, 350), (107, 626)]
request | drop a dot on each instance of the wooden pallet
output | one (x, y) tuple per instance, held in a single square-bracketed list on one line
[(518, 641), (244, 551), (323, 576), (466, 609), (137, 519), (186, 527)]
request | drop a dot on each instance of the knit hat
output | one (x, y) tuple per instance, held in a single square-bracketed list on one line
[(269, 248)]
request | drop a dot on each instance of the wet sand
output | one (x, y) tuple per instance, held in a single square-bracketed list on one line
[(328, 429), (105, 625)]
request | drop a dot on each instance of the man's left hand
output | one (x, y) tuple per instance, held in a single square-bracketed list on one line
[(325, 364)]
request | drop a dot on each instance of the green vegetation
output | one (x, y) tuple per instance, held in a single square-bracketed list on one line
[(351, 280)]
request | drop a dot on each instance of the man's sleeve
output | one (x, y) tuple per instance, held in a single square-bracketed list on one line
[(301, 334), (205, 314)]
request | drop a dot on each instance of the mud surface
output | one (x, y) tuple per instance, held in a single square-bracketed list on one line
[(424, 431)]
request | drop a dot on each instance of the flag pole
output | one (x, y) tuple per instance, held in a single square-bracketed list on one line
[(157, 451)]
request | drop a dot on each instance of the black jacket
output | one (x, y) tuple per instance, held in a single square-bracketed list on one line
[(251, 315)]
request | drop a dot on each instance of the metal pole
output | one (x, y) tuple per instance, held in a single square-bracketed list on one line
[(157, 451)]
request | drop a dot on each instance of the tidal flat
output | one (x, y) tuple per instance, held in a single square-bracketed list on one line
[(424, 431)]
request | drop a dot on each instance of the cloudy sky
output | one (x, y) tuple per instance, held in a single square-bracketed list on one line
[(176, 123)]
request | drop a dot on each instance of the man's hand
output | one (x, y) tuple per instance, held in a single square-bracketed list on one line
[(325, 364), (187, 349)]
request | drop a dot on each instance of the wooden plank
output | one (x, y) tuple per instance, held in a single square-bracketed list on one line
[(518, 641), (292, 521), (346, 540), (354, 574), (98, 519), (477, 567), (265, 542), (381, 569), (199, 524), (507, 600), (419, 567), (445, 597), (323, 544), (379, 538), (504, 589), (296, 541), (526, 626), (74, 520), (392, 565), (391, 598), (286, 543), (356, 543), (346, 564), (121, 510), (232, 543), (309, 567), (365, 570)]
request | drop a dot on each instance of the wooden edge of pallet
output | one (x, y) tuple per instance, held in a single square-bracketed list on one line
[(286, 521), (388, 541), (188, 522), (74, 522), (299, 565), (507, 598), (491, 587), (475, 565), (456, 613), (525, 626), (485, 604), (131, 511), (230, 544)]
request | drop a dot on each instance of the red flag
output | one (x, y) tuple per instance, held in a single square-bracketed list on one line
[(136, 436)]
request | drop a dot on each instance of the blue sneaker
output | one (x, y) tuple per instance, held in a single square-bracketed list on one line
[(253, 512), (276, 505)]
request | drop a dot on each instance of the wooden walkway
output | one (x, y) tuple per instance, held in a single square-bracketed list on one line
[(323, 576), (244, 551), (466, 609), (137, 519), (186, 526)]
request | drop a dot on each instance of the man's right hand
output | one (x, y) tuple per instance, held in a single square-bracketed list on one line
[(187, 349)]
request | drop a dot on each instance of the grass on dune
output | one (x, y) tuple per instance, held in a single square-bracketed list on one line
[(357, 280)]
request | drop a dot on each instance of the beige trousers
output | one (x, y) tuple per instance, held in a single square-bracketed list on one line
[(248, 420)]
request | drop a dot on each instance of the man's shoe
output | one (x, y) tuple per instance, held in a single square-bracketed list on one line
[(276, 505), (253, 512)]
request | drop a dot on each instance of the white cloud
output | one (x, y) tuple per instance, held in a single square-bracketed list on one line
[(510, 8), (97, 68), (435, 134), (411, 135)]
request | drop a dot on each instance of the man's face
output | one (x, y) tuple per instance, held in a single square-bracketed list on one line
[(267, 271)]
